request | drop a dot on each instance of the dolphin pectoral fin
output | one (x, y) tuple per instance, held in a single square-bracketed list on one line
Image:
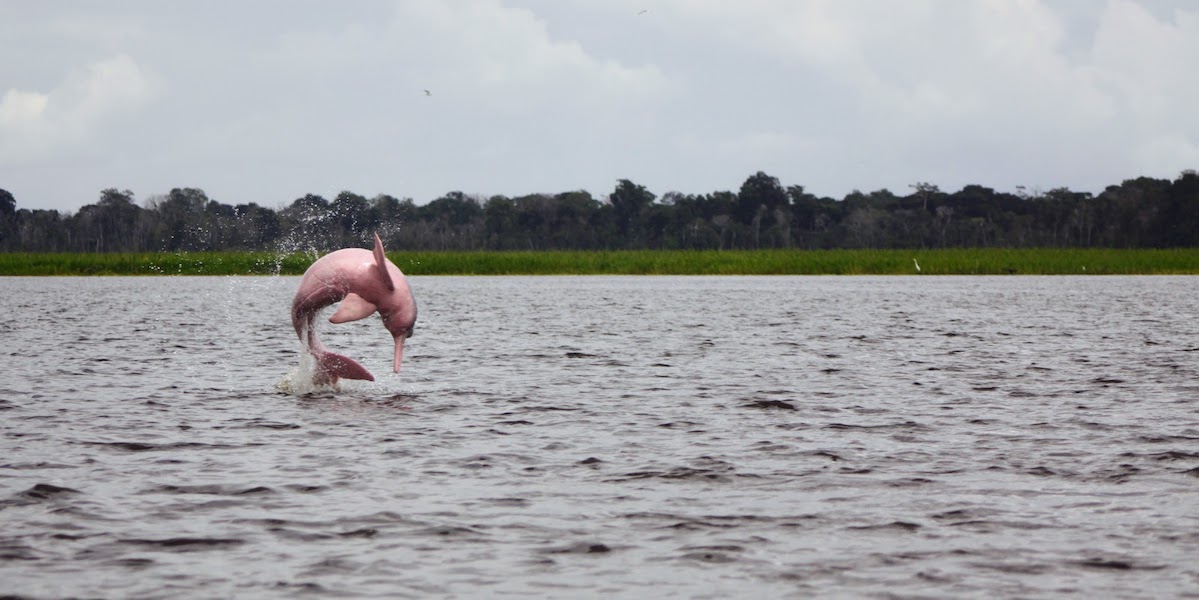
[(337, 366), (352, 308)]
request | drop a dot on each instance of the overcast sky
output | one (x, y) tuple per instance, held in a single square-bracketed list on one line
[(265, 101)]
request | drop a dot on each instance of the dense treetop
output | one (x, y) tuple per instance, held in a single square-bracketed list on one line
[(1137, 213)]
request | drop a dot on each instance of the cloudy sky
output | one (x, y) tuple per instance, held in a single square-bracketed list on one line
[(267, 100)]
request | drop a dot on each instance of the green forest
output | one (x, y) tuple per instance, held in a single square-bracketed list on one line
[(763, 214)]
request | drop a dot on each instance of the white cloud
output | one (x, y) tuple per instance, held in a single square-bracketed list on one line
[(549, 95), (18, 108), (953, 89), (1167, 154), (1148, 63), (512, 107), (36, 124), (477, 48), (105, 31)]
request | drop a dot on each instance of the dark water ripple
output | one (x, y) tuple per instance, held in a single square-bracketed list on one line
[(606, 437)]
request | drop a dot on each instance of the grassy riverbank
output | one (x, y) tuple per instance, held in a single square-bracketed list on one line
[(762, 262)]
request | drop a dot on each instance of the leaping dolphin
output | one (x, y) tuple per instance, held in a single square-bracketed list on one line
[(364, 281)]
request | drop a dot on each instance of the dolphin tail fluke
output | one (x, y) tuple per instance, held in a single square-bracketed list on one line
[(336, 366)]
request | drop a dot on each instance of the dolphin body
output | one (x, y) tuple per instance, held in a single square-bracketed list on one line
[(364, 281)]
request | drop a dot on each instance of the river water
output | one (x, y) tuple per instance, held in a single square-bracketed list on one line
[(606, 437)]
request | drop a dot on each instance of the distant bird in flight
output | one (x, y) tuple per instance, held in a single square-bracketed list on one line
[(643, 11), (917, 265), (428, 93)]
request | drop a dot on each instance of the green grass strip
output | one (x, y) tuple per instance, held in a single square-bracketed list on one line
[(968, 261)]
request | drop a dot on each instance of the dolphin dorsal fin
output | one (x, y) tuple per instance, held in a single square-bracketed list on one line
[(381, 263)]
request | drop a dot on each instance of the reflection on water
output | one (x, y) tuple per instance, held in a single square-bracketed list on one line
[(606, 437)]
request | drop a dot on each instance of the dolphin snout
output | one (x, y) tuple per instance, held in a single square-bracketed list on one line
[(399, 351)]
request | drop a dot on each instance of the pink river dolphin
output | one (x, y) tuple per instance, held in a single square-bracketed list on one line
[(364, 281)]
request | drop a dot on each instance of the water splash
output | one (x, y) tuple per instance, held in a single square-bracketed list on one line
[(298, 380)]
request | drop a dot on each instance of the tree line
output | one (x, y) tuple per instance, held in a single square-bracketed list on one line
[(1138, 213)]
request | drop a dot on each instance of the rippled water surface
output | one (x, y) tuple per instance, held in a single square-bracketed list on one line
[(931, 437)]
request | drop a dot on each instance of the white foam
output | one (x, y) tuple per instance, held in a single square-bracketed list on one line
[(299, 379)]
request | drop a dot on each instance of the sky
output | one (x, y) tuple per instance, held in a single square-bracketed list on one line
[(268, 100)]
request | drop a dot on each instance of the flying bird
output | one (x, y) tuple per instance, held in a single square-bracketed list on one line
[(428, 93), (644, 11), (917, 265)]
